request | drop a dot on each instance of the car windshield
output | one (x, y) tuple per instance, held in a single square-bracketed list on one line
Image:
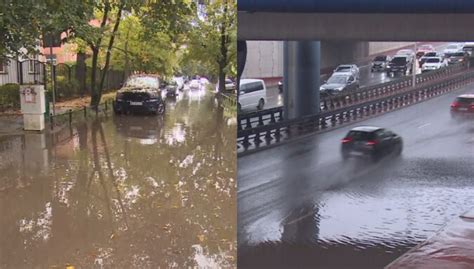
[(399, 60), (458, 54), (145, 82), (433, 60), (380, 58), (465, 100), (337, 80), (430, 54), (343, 68), (360, 136)]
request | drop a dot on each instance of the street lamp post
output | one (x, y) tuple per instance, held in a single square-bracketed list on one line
[(414, 68), (53, 84)]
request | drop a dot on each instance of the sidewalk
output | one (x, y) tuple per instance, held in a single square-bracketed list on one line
[(452, 247), (11, 121)]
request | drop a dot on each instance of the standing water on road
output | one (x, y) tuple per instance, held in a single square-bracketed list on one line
[(123, 191)]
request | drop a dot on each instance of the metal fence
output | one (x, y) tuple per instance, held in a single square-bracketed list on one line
[(69, 81), (23, 72)]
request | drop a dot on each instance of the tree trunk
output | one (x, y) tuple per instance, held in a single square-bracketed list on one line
[(223, 52), (95, 97), (109, 49), (81, 72), (95, 94)]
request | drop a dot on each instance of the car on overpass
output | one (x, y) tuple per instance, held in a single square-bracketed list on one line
[(348, 68), (427, 55), (433, 63), (140, 93), (423, 49), (338, 83), (407, 52), (452, 48), (252, 95), (463, 105), (380, 63), (469, 48), (459, 57), (400, 64), (370, 142)]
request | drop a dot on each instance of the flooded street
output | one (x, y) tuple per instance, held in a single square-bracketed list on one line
[(123, 191)]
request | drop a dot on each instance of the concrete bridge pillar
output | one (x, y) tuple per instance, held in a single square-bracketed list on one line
[(301, 78)]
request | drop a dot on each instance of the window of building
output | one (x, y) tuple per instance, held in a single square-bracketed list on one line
[(3, 67), (32, 66)]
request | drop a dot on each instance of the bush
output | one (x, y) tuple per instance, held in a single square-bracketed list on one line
[(66, 89), (9, 96)]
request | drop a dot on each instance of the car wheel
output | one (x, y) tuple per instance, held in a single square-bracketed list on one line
[(161, 108), (261, 103), (399, 149)]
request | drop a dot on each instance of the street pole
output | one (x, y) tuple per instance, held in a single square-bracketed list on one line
[(52, 74), (414, 68)]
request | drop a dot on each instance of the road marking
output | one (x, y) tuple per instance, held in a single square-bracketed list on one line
[(424, 125)]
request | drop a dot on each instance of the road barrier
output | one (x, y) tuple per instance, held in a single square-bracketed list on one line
[(348, 98), (266, 135)]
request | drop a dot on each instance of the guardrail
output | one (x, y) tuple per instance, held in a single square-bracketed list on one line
[(347, 98), (253, 139)]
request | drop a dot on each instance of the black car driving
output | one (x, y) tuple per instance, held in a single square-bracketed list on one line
[(370, 142), (140, 93), (400, 65)]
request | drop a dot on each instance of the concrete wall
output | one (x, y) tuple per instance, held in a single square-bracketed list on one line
[(378, 47), (265, 58)]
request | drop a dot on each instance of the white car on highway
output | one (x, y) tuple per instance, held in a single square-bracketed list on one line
[(348, 68), (433, 63), (452, 48), (252, 94)]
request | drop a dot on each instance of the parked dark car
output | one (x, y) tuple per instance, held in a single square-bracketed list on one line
[(463, 105), (371, 142), (458, 58), (380, 63), (141, 93), (400, 65)]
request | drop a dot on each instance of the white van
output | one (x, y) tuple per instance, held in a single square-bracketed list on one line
[(252, 94)]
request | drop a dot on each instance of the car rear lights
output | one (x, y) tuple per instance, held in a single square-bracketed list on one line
[(455, 104), (346, 140)]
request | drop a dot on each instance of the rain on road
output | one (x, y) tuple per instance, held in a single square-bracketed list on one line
[(300, 206)]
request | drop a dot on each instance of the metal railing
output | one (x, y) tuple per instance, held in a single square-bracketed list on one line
[(347, 98), (253, 139), (75, 115)]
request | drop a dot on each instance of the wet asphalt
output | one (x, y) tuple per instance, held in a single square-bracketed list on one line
[(301, 206)]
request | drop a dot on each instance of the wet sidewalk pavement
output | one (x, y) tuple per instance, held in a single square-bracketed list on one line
[(11, 124), (452, 247), (123, 192)]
